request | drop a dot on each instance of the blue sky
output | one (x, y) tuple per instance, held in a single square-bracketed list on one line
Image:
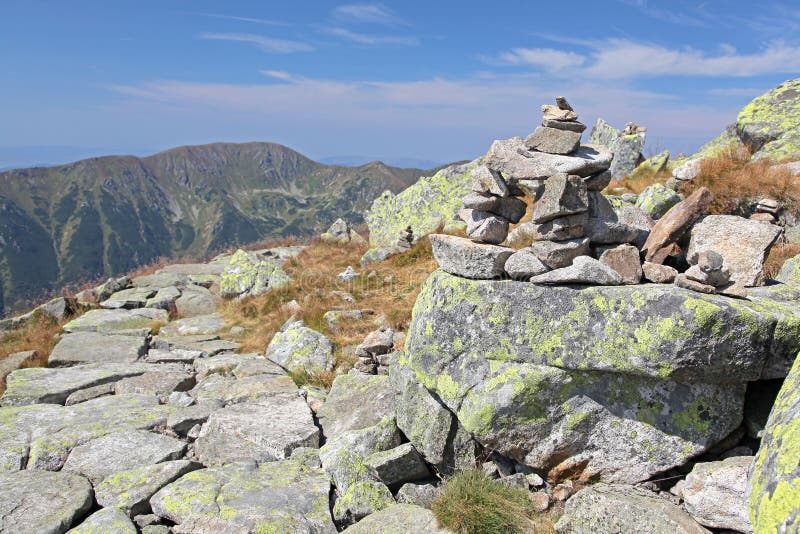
[(420, 79)]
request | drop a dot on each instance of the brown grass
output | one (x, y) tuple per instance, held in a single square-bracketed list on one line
[(738, 183), (777, 256), (636, 183), (38, 334), (389, 287)]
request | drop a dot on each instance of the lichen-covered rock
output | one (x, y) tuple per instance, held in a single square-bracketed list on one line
[(770, 124), (297, 347), (341, 233), (398, 465), (399, 519), (41, 502), (656, 200), (774, 492), (285, 496), (615, 382), (117, 321), (425, 206), (583, 270), (627, 149), (613, 508), (196, 325), (512, 159), (356, 401), (743, 243), (652, 166), (463, 257), (91, 347), (714, 493), (130, 490), (250, 274), (195, 300), (105, 521), (790, 271)]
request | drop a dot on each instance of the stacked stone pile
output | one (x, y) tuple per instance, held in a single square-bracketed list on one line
[(375, 352), (490, 207), (767, 209)]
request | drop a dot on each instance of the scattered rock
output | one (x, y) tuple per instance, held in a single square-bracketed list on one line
[(297, 347), (399, 465), (341, 233), (674, 224), (659, 274), (348, 275), (135, 297), (420, 494), (558, 254), (523, 264), (624, 259), (91, 347), (356, 401), (462, 257), (656, 200), (250, 274)]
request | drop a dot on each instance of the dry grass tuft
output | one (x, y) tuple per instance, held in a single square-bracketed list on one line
[(738, 183), (473, 503), (777, 256), (389, 287), (636, 183), (39, 334)]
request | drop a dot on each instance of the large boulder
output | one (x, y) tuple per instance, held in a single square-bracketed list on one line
[(613, 508), (462, 257), (299, 348), (627, 149), (356, 401), (664, 236), (249, 274), (430, 203), (118, 321), (105, 521), (770, 124), (618, 383), (656, 200), (774, 492), (92, 347), (743, 243), (399, 519), (285, 496)]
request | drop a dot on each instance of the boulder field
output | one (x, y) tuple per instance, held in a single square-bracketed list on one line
[(597, 383)]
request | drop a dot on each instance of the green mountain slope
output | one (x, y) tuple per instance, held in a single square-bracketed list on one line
[(108, 215)]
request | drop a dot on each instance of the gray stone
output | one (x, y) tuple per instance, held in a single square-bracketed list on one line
[(560, 229), (119, 451), (659, 274), (376, 343), (348, 275), (225, 364), (135, 297), (688, 171), (714, 493), (165, 299), (254, 388), (106, 521), (604, 226), (509, 208), (743, 243), (111, 286), (340, 232), (15, 361), (572, 126), (195, 300), (685, 282), (670, 229), (634, 217), (194, 269), (356, 401), (656, 200), (614, 508), (513, 160), (130, 490), (484, 227), (627, 149), (399, 519), (523, 264), (583, 270), (419, 493), (558, 254), (398, 465), (716, 278), (172, 356), (563, 195), (185, 418), (284, 496), (207, 345), (463, 257), (158, 383), (161, 280), (557, 113), (299, 348), (598, 182), (267, 431), (117, 321), (553, 140), (625, 260), (94, 392), (251, 274), (41, 502), (198, 325), (91, 347), (485, 180)]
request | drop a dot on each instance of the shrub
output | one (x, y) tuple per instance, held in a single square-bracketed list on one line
[(473, 503)]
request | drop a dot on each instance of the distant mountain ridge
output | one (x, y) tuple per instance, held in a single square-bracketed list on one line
[(107, 215)]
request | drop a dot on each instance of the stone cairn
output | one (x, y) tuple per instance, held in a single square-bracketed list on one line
[(767, 209), (578, 236), (375, 352)]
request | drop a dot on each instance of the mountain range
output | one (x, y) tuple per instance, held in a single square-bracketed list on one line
[(102, 216)]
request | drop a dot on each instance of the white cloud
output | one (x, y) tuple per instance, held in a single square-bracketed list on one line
[(750, 92), (372, 13), (366, 39), (267, 44), (548, 58), (254, 20)]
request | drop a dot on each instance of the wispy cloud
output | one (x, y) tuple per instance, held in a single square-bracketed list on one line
[(750, 92), (548, 58), (253, 20), (675, 14), (368, 39), (267, 44), (370, 13)]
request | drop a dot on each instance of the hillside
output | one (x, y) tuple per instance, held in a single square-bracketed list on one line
[(107, 215)]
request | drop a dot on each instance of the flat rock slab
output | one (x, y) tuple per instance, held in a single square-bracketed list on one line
[(129, 299), (161, 280), (158, 383), (122, 450), (463, 257), (93, 347), (226, 364), (230, 390), (106, 521), (511, 158), (208, 344), (356, 401), (285, 496), (399, 519), (130, 490), (41, 436), (608, 508), (110, 321), (195, 300), (267, 431), (42, 502), (54, 385), (201, 324), (190, 269)]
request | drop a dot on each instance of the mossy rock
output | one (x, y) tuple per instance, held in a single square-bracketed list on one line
[(774, 493), (250, 274), (656, 200), (770, 124)]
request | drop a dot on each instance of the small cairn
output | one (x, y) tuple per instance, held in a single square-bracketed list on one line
[(491, 207), (707, 274), (631, 128), (405, 241), (375, 352), (560, 132), (767, 209)]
